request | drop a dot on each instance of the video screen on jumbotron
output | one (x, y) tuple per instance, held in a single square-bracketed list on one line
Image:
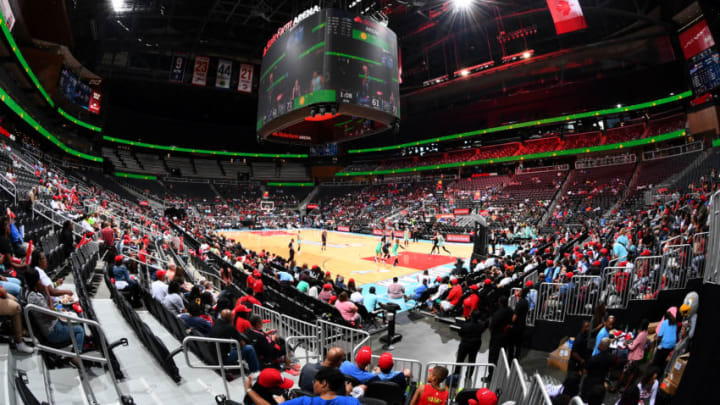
[(331, 59)]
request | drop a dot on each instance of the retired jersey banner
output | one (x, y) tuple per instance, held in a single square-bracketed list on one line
[(224, 73), (245, 79), (696, 39), (95, 102), (567, 15), (202, 63), (177, 69)]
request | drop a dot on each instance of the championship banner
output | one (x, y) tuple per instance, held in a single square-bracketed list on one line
[(343, 228), (463, 238), (246, 78), (177, 68), (224, 73), (461, 211), (7, 14), (95, 102), (202, 63), (696, 39), (567, 15)]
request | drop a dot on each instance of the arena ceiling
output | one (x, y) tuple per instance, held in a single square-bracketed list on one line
[(434, 35)]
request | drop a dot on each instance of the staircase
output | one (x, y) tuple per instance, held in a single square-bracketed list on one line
[(214, 190), (303, 204), (141, 195)]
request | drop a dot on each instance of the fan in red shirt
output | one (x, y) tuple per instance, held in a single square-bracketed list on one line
[(470, 303), (241, 313), (433, 393), (453, 297)]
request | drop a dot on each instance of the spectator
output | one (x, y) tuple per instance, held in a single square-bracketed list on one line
[(67, 239), (370, 300), (241, 314), (328, 383), (517, 333), (333, 359), (385, 364), (580, 350), (270, 383), (173, 301), (471, 338), (39, 263), (9, 306), (57, 331), (667, 335), (498, 334), (358, 370), (395, 290), (347, 309), (453, 297), (123, 282), (223, 329), (434, 392), (631, 396), (604, 332), (637, 353), (303, 286), (649, 386), (597, 367), (193, 319), (158, 287), (326, 294), (417, 294), (269, 347)]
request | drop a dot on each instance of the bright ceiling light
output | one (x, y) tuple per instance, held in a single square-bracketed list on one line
[(118, 5), (526, 55), (462, 4), (464, 72)]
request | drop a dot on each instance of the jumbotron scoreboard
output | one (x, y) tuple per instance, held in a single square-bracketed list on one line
[(328, 76)]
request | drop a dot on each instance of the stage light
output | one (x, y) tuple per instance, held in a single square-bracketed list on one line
[(464, 72), (526, 55), (461, 5), (118, 5), (619, 106)]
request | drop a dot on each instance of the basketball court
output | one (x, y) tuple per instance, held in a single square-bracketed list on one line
[(349, 254)]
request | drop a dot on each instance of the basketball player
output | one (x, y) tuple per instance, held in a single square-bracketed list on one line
[(291, 247), (435, 244), (378, 249), (441, 244), (406, 236), (324, 240), (395, 251), (299, 242), (386, 249)]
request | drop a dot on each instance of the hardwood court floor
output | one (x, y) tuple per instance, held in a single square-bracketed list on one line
[(349, 254)]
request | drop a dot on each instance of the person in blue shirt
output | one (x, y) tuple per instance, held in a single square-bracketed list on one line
[(385, 363), (328, 382), (604, 332), (124, 282), (370, 300), (357, 369), (668, 338), (284, 276), (420, 290), (620, 248), (193, 319)]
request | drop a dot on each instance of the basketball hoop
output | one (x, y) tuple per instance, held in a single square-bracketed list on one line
[(267, 206)]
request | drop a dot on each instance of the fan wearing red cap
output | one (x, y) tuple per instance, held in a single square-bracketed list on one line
[(358, 369), (484, 396), (386, 372), (125, 283), (453, 297), (326, 293), (269, 346)]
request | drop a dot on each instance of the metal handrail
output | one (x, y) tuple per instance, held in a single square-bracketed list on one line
[(76, 352), (14, 188), (221, 366)]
